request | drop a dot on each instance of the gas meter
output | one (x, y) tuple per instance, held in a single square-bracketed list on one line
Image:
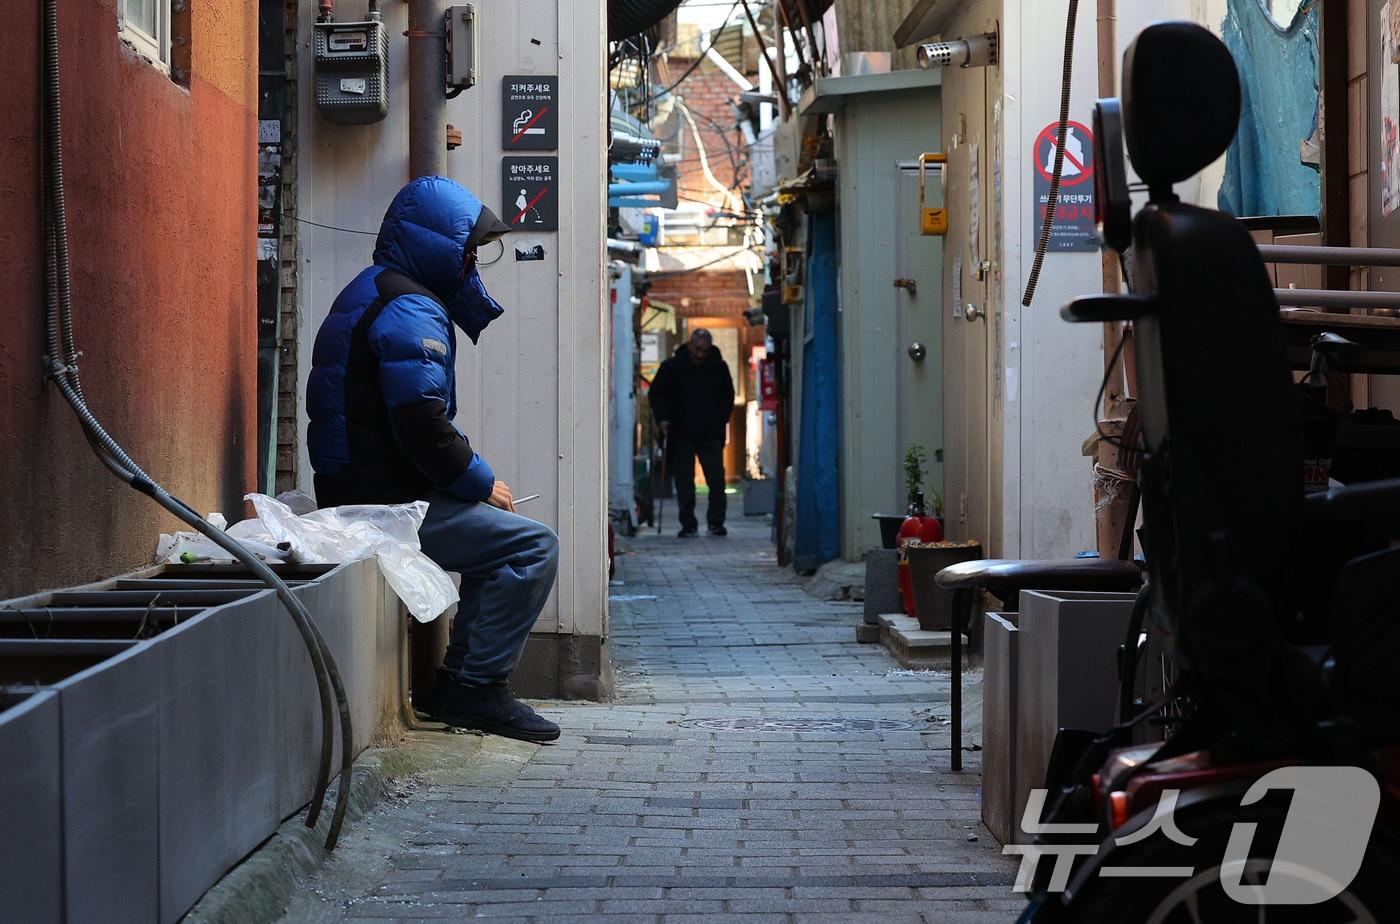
[(932, 221), (352, 63)]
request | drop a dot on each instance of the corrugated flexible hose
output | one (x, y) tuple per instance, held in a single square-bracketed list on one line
[(1054, 201), (61, 366)]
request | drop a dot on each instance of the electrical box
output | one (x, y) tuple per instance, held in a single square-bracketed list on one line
[(462, 48), (651, 233), (352, 65)]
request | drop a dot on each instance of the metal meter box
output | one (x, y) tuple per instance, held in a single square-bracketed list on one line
[(352, 64), (463, 50)]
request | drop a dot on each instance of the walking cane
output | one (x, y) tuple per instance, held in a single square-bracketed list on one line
[(661, 491)]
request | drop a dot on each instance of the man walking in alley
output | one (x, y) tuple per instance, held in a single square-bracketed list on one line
[(691, 397), (381, 398)]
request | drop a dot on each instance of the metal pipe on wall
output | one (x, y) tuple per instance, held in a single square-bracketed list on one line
[(1330, 256), (427, 88), (1333, 298)]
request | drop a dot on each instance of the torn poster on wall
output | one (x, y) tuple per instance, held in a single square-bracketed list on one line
[(1390, 113), (1394, 31)]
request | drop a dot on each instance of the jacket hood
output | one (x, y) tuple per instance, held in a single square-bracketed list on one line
[(712, 356), (424, 236)]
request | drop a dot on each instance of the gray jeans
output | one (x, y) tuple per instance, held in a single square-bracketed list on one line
[(508, 564)]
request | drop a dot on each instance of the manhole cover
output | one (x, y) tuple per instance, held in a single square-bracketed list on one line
[(817, 724)]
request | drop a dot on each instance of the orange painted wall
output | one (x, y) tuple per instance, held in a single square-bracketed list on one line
[(162, 194)]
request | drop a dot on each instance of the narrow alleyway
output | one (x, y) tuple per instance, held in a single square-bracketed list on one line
[(758, 765)]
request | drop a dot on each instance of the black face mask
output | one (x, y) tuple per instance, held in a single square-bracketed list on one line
[(472, 307)]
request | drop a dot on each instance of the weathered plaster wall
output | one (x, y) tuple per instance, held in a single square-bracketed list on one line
[(162, 196)]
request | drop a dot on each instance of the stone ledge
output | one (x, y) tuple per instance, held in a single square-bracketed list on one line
[(917, 648)]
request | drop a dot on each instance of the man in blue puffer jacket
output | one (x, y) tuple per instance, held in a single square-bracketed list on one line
[(381, 398)]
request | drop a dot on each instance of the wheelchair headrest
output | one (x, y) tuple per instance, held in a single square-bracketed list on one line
[(1181, 102)]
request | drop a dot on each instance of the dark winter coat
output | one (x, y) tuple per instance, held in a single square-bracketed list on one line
[(696, 399), (382, 390)]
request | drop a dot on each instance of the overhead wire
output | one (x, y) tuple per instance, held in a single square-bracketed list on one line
[(700, 58), (317, 224), (691, 269)]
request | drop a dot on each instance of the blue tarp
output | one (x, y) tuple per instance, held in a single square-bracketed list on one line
[(1279, 78), (818, 487)]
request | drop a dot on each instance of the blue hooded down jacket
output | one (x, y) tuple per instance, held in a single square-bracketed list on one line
[(381, 394)]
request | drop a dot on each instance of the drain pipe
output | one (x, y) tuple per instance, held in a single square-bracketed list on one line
[(60, 363), (427, 88)]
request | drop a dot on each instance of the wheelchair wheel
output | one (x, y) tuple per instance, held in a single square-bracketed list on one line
[(1200, 897)]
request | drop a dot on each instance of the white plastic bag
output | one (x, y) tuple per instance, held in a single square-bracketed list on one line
[(336, 534), (333, 535)]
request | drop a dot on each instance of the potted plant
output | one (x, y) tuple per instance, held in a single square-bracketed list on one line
[(919, 526)]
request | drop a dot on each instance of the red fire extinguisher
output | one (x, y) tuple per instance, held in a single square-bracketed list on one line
[(918, 526)]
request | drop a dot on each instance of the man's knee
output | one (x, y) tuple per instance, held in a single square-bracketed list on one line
[(544, 542)]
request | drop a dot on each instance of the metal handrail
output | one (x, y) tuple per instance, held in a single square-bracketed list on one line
[(1335, 298), (1330, 256)]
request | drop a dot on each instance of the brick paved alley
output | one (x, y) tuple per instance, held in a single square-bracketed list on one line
[(758, 765)]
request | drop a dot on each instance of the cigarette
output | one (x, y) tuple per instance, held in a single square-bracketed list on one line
[(521, 500)]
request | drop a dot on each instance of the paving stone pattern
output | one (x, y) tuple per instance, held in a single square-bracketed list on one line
[(759, 765)]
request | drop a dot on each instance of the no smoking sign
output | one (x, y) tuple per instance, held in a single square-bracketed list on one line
[(1073, 228)]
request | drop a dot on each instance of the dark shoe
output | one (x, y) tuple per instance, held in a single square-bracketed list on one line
[(688, 532), (718, 531), (425, 703), (494, 710)]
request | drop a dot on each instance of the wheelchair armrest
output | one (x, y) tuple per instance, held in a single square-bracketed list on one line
[(1375, 501), (1101, 308)]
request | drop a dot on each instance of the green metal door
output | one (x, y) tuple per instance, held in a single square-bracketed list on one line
[(918, 353)]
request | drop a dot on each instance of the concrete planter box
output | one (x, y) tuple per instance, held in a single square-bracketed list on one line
[(181, 753), (1067, 674), (31, 842), (881, 584), (759, 496), (1001, 639)]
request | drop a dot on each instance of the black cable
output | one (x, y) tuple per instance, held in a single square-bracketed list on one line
[(714, 39), (691, 269), (1044, 244), (1103, 387), (308, 221), (60, 365)]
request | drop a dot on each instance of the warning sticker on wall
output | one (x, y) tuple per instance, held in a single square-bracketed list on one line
[(530, 193), (1073, 228), (529, 113)]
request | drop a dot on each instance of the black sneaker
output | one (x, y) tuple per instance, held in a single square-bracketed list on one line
[(718, 531), (688, 532), (494, 710)]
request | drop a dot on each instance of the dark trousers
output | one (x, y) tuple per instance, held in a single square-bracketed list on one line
[(683, 453)]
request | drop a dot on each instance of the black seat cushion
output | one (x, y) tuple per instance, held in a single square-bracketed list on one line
[(1002, 576)]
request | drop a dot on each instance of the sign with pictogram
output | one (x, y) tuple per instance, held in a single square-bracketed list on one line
[(1073, 228), (530, 193), (529, 112)]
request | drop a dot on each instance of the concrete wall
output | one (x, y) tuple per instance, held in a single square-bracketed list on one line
[(1021, 385), (162, 193), (532, 395)]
